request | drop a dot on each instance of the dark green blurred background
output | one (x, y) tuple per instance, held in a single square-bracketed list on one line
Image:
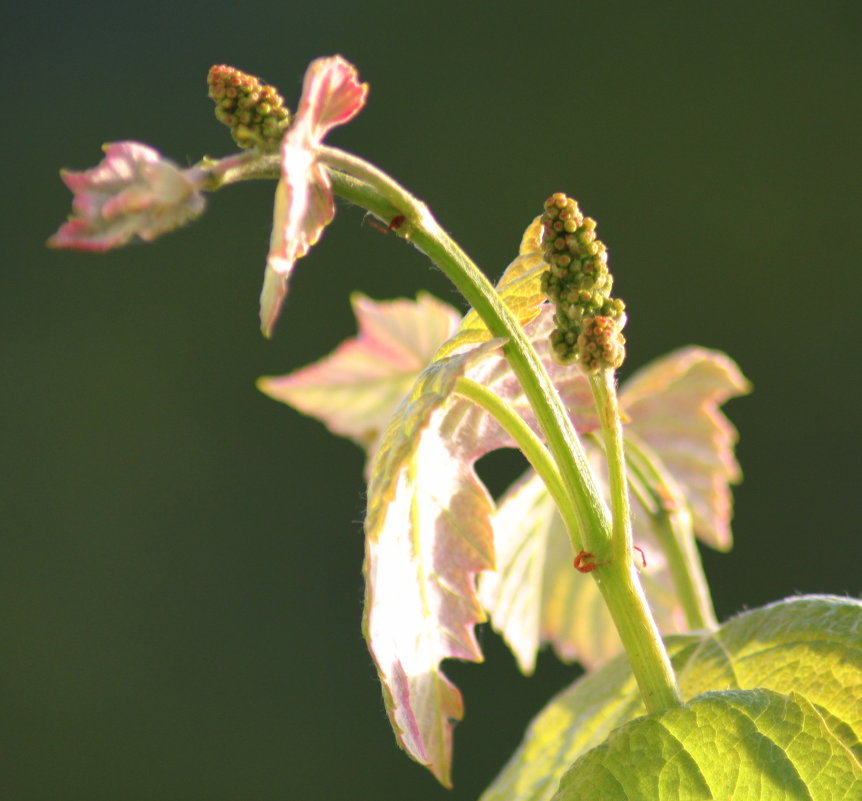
[(181, 589)]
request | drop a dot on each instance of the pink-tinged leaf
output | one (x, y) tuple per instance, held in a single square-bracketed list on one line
[(355, 389), (536, 597), (133, 191), (331, 95), (673, 406), (428, 534), (304, 206)]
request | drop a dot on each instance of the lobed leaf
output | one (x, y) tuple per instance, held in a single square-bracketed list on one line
[(809, 645), (355, 389), (673, 406), (535, 596)]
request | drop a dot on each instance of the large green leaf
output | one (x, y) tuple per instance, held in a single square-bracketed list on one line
[(745, 745), (809, 645)]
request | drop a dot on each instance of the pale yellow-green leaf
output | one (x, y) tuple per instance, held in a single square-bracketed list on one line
[(744, 745), (811, 645), (520, 288), (535, 596)]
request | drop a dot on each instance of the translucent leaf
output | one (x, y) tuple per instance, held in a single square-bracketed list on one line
[(428, 532), (809, 645), (672, 405), (428, 525), (520, 287), (535, 596), (755, 745), (355, 389)]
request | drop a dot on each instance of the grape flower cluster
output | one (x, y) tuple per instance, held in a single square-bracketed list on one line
[(588, 320), (254, 111)]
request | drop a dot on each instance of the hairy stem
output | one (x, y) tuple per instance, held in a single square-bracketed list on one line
[(423, 231), (618, 581), (368, 187), (243, 166)]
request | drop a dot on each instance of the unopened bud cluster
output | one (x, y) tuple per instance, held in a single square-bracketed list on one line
[(588, 320), (254, 111)]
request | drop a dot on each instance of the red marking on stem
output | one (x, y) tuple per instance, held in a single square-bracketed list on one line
[(641, 552), (581, 563)]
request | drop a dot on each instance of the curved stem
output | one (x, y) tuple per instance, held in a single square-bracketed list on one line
[(364, 184), (423, 231)]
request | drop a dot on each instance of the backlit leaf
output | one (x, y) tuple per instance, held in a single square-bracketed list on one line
[(428, 532), (535, 596), (520, 287), (752, 745), (673, 406), (811, 645), (355, 389)]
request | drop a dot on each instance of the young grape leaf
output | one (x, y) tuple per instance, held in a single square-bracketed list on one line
[(428, 533), (535, 596), (808, 645), (673, 406), (355, 389), (521, 289)]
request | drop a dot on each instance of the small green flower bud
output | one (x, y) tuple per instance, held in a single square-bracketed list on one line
[(254, 112), (601, 344)]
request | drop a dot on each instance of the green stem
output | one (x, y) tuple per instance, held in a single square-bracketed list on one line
[(363, 184), (243, 166), (671, 520), (605, 396), (423, 231), (618, 581), (530, 445), (620, 587)]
